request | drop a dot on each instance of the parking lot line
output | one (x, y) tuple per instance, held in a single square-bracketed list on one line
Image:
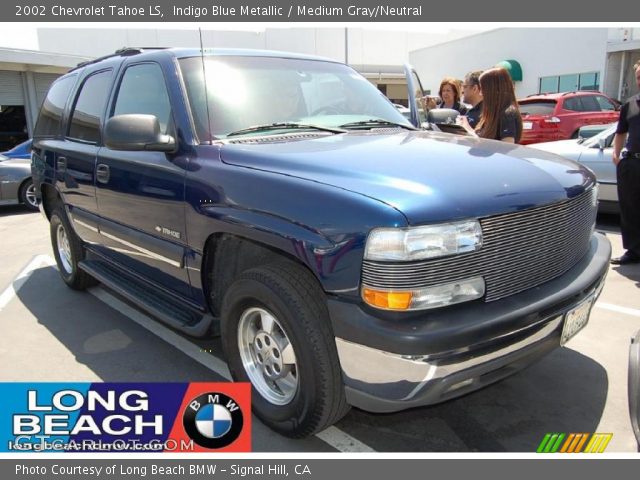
[(333, 436), (172, 338), (10, 292), (619, 309), (342, 441)]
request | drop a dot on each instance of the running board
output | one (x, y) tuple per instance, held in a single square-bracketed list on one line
[(170, 311)]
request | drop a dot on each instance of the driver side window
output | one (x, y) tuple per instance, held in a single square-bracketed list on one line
[(143, 90)]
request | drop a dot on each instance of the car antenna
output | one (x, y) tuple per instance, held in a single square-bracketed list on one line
[(204, 79)]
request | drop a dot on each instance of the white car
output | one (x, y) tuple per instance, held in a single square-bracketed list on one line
[(596, 153)]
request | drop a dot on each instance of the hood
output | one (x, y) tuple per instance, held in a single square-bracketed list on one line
[(429, 177)]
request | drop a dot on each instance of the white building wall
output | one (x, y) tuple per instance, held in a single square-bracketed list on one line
[(366, 47), (540, 51)]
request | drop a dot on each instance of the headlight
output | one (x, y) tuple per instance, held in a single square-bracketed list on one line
[(424, 298), (420, 243)]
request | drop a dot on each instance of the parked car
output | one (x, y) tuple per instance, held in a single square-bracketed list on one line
[(634, 385), (559, 116), (589, 131), (16, 185), (596, 153), (22, 150), (344, 256)]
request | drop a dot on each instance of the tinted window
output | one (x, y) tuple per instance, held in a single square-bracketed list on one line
[(589, 104), (90, 103), (537, 107), (50, 117), (143, 90), (574, 104), (605, 103)]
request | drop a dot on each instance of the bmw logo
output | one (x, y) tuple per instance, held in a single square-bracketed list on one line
[(213, 420)]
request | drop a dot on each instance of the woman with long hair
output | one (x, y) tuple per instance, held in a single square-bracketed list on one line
[(500, 119)]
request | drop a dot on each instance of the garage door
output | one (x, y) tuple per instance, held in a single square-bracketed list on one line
[(43, 81), (11, 88)]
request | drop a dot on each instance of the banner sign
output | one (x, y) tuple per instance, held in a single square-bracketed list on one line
[(125, 417)]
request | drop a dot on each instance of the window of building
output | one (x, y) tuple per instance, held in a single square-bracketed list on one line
[(570, 82), (13, 126), (89, 106)]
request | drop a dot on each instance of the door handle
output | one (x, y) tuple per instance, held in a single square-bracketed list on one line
[(62, 164), (103, 173)]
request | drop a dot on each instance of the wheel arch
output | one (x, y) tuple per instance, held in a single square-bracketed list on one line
[(227, 255)]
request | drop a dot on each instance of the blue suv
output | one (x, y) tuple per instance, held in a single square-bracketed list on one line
[(344, 256)]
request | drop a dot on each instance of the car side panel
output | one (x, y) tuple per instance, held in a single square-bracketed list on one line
[(11, 177)]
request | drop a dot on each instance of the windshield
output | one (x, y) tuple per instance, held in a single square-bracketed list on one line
[(249, 91), (607, 134)]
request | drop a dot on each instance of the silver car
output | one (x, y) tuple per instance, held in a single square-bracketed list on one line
[(595, 153), (15, 182)]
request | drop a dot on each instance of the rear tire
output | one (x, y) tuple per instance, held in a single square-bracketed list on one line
[(276, 334), (68, 252)]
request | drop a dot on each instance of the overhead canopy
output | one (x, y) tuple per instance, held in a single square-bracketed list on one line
[(514, 69)]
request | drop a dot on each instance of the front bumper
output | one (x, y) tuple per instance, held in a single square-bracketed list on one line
[(391, 362)]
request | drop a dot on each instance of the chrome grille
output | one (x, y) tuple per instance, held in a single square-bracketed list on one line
[(519, 251)]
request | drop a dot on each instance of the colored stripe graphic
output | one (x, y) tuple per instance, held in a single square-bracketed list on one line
[(598, 442), (550, 443), (574, 443)]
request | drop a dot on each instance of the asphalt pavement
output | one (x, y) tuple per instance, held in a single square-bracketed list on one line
[(51, 333)]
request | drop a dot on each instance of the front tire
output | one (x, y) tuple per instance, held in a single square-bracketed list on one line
[(68, 251), (276, 334)]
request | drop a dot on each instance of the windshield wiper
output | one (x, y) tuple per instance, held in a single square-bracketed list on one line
[(284, 125), (373, 122)]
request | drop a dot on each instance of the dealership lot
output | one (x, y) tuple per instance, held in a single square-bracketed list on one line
[(51, 333)]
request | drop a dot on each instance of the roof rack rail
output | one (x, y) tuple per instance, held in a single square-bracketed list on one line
[(121, 52)]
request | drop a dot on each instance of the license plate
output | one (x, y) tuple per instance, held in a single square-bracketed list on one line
[(576, 319), (527, 125)]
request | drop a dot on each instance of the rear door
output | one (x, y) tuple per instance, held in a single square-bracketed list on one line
[(141, 194), (77, 153)]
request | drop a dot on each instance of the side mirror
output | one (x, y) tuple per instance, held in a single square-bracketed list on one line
[(446, 116), (136, 132), (602, 143)]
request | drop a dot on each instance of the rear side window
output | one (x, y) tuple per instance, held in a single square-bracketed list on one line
[(581, 104), (90, 103), (50, 118), (574, 104), (143, 90), (537, 107)]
